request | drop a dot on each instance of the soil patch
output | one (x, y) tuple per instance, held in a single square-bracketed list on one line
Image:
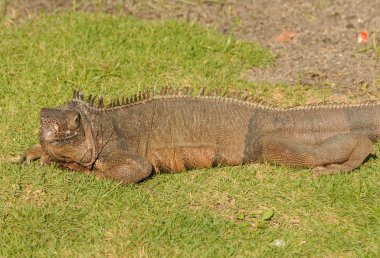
[(315, 42)]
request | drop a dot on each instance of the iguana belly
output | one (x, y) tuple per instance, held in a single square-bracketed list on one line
[(180, 158)]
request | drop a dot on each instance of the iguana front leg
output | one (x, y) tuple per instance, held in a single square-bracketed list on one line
[(123, 167), (36, 152), (339, 153)]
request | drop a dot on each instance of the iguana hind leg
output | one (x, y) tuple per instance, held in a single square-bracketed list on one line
[(363, 148), (338, 153), (122, 167)]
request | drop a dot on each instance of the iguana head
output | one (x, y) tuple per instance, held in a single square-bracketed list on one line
[(64, 136)]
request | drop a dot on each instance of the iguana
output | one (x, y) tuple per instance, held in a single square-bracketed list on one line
[(133, 137)]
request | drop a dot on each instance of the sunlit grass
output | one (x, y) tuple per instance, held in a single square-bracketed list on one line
[(215, 212)]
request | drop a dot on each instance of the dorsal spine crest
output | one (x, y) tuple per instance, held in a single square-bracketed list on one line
[(170, 94)]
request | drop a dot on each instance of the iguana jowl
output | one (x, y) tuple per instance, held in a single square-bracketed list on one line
[(171, 133)]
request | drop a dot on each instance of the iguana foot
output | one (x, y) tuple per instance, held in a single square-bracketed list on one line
[(327, 170), (36, 152)]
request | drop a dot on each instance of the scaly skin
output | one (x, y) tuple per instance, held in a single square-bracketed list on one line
[(173, 133)]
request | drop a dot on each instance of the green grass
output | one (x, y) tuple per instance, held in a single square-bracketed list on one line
[(215, 212)]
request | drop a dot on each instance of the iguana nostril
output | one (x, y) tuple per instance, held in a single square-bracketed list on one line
[(47, 133)]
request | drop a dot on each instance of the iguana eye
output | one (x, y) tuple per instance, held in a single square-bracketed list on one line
[(73, 122)]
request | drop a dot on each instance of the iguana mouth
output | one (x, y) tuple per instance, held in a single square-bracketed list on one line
[(50, 135)]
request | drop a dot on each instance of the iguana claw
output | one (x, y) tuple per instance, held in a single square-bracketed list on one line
[(34, 153)]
